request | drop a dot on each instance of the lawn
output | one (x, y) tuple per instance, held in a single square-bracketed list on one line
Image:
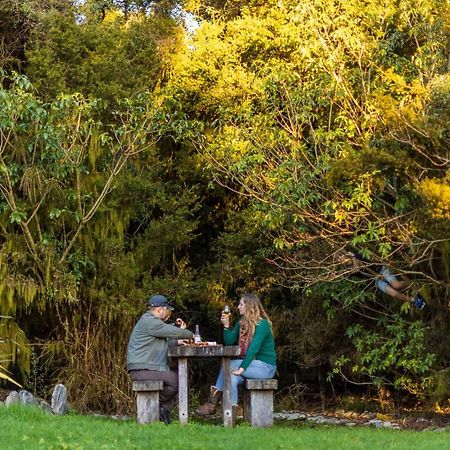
[(23, 428)]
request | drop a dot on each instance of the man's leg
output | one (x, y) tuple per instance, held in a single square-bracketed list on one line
[(167, 397), (397, 284), (385, 287), (418, 301)]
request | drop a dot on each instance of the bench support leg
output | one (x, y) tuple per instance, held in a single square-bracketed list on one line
[(147, 404), (258, 407)]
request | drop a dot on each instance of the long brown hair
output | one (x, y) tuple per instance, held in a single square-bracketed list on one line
[(254, 311)]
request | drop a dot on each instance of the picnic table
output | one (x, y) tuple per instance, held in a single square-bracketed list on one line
[(183, 354)]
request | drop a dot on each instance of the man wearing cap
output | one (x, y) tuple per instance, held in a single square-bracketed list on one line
[(147, 350)]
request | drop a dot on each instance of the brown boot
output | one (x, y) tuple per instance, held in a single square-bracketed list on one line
[(209, 408)]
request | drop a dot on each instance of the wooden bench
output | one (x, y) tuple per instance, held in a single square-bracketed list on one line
[(258, 401), (147, 400)]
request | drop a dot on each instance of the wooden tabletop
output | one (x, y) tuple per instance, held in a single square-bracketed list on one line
[(186, 351)]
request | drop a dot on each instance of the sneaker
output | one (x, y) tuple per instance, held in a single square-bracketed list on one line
[(164, 415), (418, 301)]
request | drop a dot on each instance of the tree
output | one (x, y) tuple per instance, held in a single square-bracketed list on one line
[(15, 25), (109, 57), (323, 117), (57, 167)]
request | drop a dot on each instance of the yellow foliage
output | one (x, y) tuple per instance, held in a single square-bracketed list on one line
[(436, 194), (396, 79), (442, 409), (112, 15)]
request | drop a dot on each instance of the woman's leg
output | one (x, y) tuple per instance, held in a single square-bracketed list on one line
[(236, 380), (209, 408), (259, 369), (234, 365), (256, 369)]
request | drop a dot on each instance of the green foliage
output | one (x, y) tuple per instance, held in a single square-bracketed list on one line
[(399, 349), (14, 350), (79, 233), (110, 58)]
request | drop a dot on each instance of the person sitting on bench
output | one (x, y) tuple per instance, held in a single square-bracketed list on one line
[(147, 351), (253, 333)]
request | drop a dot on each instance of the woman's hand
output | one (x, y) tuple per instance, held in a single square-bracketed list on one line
[(183, 341), (238, 372), (225, 319)]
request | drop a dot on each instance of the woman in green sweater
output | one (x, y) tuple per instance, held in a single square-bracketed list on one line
[(257, 359)]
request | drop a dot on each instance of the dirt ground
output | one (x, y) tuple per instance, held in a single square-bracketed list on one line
[(352, 412)]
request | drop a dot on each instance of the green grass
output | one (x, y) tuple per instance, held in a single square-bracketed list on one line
[(30, 428)]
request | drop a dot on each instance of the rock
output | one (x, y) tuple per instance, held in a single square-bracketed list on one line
[(45, 406), (120, 417), (13, 397), (59, 400), (290, 416), (27, 398), (319, 420), (376, 423)]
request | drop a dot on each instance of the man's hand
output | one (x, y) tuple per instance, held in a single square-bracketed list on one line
[(240, 371), (183, 341), (180, 323)]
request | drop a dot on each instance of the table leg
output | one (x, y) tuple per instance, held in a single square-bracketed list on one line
[(183, 401), (226, 394)]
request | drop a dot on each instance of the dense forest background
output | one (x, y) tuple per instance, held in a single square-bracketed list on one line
[(202, 148)]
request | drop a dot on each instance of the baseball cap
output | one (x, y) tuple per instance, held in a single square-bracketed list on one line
[(159, 301)]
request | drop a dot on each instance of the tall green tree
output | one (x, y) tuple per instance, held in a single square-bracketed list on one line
[(109, 57), (92, 221), (97, 211)]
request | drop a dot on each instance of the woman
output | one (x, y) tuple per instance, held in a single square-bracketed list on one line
[(254, 334)]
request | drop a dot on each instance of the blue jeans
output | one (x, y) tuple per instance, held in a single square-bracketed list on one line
[(388, 278), (256, 369)]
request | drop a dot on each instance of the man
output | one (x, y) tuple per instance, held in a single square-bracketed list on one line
[(385, 280), (147, 351)]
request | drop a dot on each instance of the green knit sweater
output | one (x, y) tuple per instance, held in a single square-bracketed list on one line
[(262, 346)]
